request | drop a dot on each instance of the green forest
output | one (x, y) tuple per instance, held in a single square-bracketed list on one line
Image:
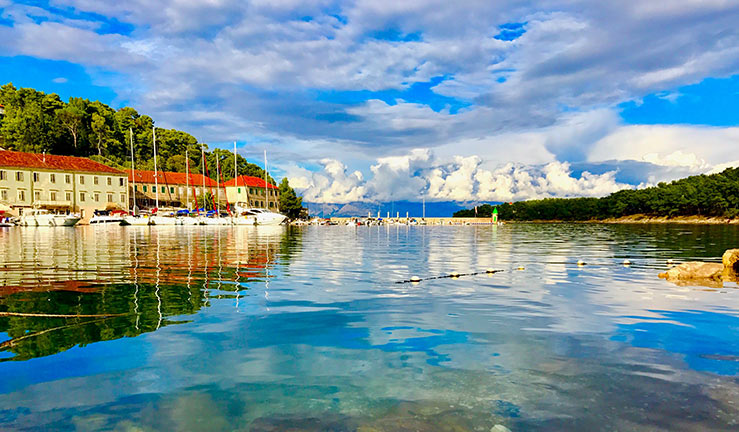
[(714, 195), (37, 122)]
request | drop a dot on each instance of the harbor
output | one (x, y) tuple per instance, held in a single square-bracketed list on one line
[(277, 328)]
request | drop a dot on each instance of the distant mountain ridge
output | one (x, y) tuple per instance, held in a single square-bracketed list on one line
[(361, 209)]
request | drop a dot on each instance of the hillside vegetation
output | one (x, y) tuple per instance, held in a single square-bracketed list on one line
[(37, 122), (715, 195)]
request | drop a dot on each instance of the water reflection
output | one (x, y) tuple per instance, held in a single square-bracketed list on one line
[(59, 290), (306, 329)]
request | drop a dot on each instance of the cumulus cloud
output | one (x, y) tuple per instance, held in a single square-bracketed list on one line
[(420, 174), (578, 54)]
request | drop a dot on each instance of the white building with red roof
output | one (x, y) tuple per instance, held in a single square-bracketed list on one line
[(62, 183), (250, 191), (174, 189)]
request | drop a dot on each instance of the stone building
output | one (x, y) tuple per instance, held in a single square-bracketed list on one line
[(60, 183), (248, 191), (175, 189)]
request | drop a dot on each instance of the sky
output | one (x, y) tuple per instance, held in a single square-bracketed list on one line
[(467, 101)]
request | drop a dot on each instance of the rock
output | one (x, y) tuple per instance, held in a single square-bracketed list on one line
[(731, 261), (499, 428), (694, 270)]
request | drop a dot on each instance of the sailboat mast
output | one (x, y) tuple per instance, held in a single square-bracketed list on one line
[(133, 172), (202, 193), (218, 187), (266, 193), (236, 176), (187, 180), (156, 182)]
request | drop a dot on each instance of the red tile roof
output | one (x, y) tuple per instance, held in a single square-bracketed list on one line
[(53, 162), (172, 178), (249, 181)]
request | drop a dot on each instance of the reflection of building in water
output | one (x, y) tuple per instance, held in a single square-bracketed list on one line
[(118, 282)]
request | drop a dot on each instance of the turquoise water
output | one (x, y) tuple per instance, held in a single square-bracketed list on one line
[(307, 329)]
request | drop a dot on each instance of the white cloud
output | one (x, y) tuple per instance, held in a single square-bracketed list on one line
[(225, 69), (689, 146), (419, 174)]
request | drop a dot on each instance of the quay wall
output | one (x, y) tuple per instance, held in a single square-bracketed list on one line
[(431, 220)]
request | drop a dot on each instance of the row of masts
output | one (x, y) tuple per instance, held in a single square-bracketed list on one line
[(187, 173)]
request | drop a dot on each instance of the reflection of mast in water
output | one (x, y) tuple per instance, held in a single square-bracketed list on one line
[(266, 273), (220, 266), (205, 269), (189, 266), (156, 287), (238, 261), (136, 278)]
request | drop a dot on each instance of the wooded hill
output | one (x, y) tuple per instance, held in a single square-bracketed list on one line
[(37, 122), (714, 195)]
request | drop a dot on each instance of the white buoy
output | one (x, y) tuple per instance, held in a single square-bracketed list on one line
[(415, 279), (627, 263), (580, 262)]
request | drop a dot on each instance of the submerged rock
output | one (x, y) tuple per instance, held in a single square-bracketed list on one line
[(706, 274), (694, 270), (730, 260)]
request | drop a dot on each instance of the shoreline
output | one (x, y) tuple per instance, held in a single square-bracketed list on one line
[(644, 220)]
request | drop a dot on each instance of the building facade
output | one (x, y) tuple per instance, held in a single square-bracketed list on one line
[(251, 191), (173, 189), (60, 183)]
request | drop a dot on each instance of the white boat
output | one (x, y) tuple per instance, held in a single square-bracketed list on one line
[(164, 220), (257, 216), (140, 220), (105, 217), (42, 217)]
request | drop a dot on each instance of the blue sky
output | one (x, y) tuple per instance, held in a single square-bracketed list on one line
[(383, 101)]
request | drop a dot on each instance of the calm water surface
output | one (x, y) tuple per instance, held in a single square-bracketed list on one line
[(306, 329)]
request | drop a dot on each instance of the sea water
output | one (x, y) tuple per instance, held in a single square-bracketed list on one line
[(311, 329)]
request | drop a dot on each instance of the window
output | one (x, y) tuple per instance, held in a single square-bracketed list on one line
[(121, 181), (18, 176), (82, 197), (96, 196), (144, 188), (37, 195), (52, 196), (52, 178), (95, 180), (68, 178), (2, 175), (4, 195), (68, 196), (271, 204), (163, 189), (171, 189), (82, 179), (35, 177), (123, 197), (239, 190), (21, 195)]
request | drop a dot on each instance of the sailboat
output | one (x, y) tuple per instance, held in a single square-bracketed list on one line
[(134, 218), (157, 219), (257, 216), (189, 219)]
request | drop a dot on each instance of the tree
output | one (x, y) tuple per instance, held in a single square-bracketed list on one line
[(290, 203), (71, 118)]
